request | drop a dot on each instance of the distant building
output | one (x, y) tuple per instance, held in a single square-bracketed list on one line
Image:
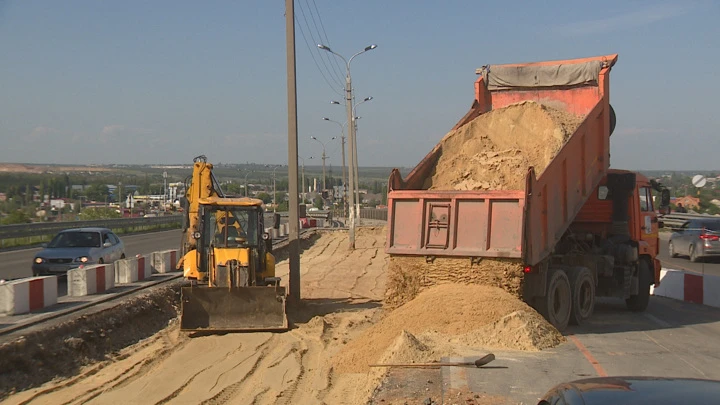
[(688, 202)]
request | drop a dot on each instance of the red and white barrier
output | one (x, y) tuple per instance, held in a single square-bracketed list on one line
[(144, 266), (689, 287), (132, 270), (89, 280), (165, 261), (26, 295)]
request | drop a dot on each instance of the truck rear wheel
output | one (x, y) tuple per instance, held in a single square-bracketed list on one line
[(556, 305), (583, 295), (639, 302)]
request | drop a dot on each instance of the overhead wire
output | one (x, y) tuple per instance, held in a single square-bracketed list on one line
[(315, 42), (312, 55), (337, 68)]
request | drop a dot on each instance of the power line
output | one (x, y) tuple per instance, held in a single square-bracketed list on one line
[(327, 41), (302, 11), (302, 32)]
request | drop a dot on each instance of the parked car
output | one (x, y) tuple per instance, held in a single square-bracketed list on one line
[(697, 239), (72, 248), (635, 391)]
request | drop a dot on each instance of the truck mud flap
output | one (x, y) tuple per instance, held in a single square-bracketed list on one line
[(237, 309)]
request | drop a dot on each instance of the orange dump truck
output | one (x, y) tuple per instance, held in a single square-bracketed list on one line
[(579, 230)]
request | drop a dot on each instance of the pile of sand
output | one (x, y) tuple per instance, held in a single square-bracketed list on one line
[(409, 275), (443, 319), (495, 150)]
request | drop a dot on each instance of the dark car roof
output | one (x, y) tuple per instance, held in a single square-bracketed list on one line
[(645, 390), (89, 229)]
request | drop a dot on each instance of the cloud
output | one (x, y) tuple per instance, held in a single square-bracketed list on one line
[(41, 132), (633, 19)]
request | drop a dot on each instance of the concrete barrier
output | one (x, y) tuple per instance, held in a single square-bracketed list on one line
[(165, 261), (26, 295), (89, 280), (132, 270), (689, 287), (144, 265)]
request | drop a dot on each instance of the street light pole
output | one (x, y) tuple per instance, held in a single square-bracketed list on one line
[(351, 131), (323, 158), (356, 167), (303, 178), (344, 174)]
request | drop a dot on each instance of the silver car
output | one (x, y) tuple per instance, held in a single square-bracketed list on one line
[(697, 239), (73, 248)]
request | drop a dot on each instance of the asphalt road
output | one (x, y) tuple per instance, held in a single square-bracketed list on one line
[(708, 266), (18, 263), (670, 339)]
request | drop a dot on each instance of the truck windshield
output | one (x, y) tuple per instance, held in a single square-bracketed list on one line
[(231, 226)]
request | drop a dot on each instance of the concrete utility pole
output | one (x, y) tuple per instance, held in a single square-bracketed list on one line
[(294, 236), (351, 131), (246, 183), (323, 158), (344, 174)]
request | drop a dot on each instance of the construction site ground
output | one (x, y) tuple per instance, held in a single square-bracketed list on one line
[(342, 295)]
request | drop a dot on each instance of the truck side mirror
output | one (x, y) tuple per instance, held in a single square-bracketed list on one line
[(665, 198)]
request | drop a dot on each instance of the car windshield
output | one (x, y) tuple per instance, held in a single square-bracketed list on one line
[(75, 239)]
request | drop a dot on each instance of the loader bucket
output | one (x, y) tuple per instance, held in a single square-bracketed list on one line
[(236, 309)]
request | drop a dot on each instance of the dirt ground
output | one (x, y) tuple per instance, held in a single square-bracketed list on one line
[(343, 292)]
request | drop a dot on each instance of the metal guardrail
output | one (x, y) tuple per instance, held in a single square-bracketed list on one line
[(379, 214), (676, 220), (51, 228)]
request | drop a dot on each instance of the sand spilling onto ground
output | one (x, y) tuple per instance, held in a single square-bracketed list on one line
[(448, 319)]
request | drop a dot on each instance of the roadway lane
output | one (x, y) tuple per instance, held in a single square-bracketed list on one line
[(671, 339), (18, 263), (708, 266)]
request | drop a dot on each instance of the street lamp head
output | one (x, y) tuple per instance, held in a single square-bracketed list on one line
[(324, 47), (373, 46), (332, 139), (312, 137), (326, 118), (368, 98), (334, 102)]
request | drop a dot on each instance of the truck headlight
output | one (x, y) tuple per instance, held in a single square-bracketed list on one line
[(82, 259)]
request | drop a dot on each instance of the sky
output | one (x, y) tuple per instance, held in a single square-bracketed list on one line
[(160, 82)]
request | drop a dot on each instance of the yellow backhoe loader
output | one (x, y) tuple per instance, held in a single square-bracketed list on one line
[(227, 257)]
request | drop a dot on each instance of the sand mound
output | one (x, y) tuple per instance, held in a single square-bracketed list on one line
[(520, 330), (409, 275), (494, 151), (406, 348), (447, 309)]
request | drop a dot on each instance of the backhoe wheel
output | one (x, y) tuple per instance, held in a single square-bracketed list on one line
[(556, 305), (639, 302), (583, 295)]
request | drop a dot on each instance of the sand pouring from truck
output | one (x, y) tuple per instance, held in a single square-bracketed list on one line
[(227, 257), (521, 203)]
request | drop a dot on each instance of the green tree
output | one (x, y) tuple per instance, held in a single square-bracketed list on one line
[(265, 197), (318, 203), (97, 192), (16, 217)]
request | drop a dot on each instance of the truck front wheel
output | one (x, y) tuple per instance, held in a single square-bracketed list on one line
[(639, 302), (556, 305), (583, 295)]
